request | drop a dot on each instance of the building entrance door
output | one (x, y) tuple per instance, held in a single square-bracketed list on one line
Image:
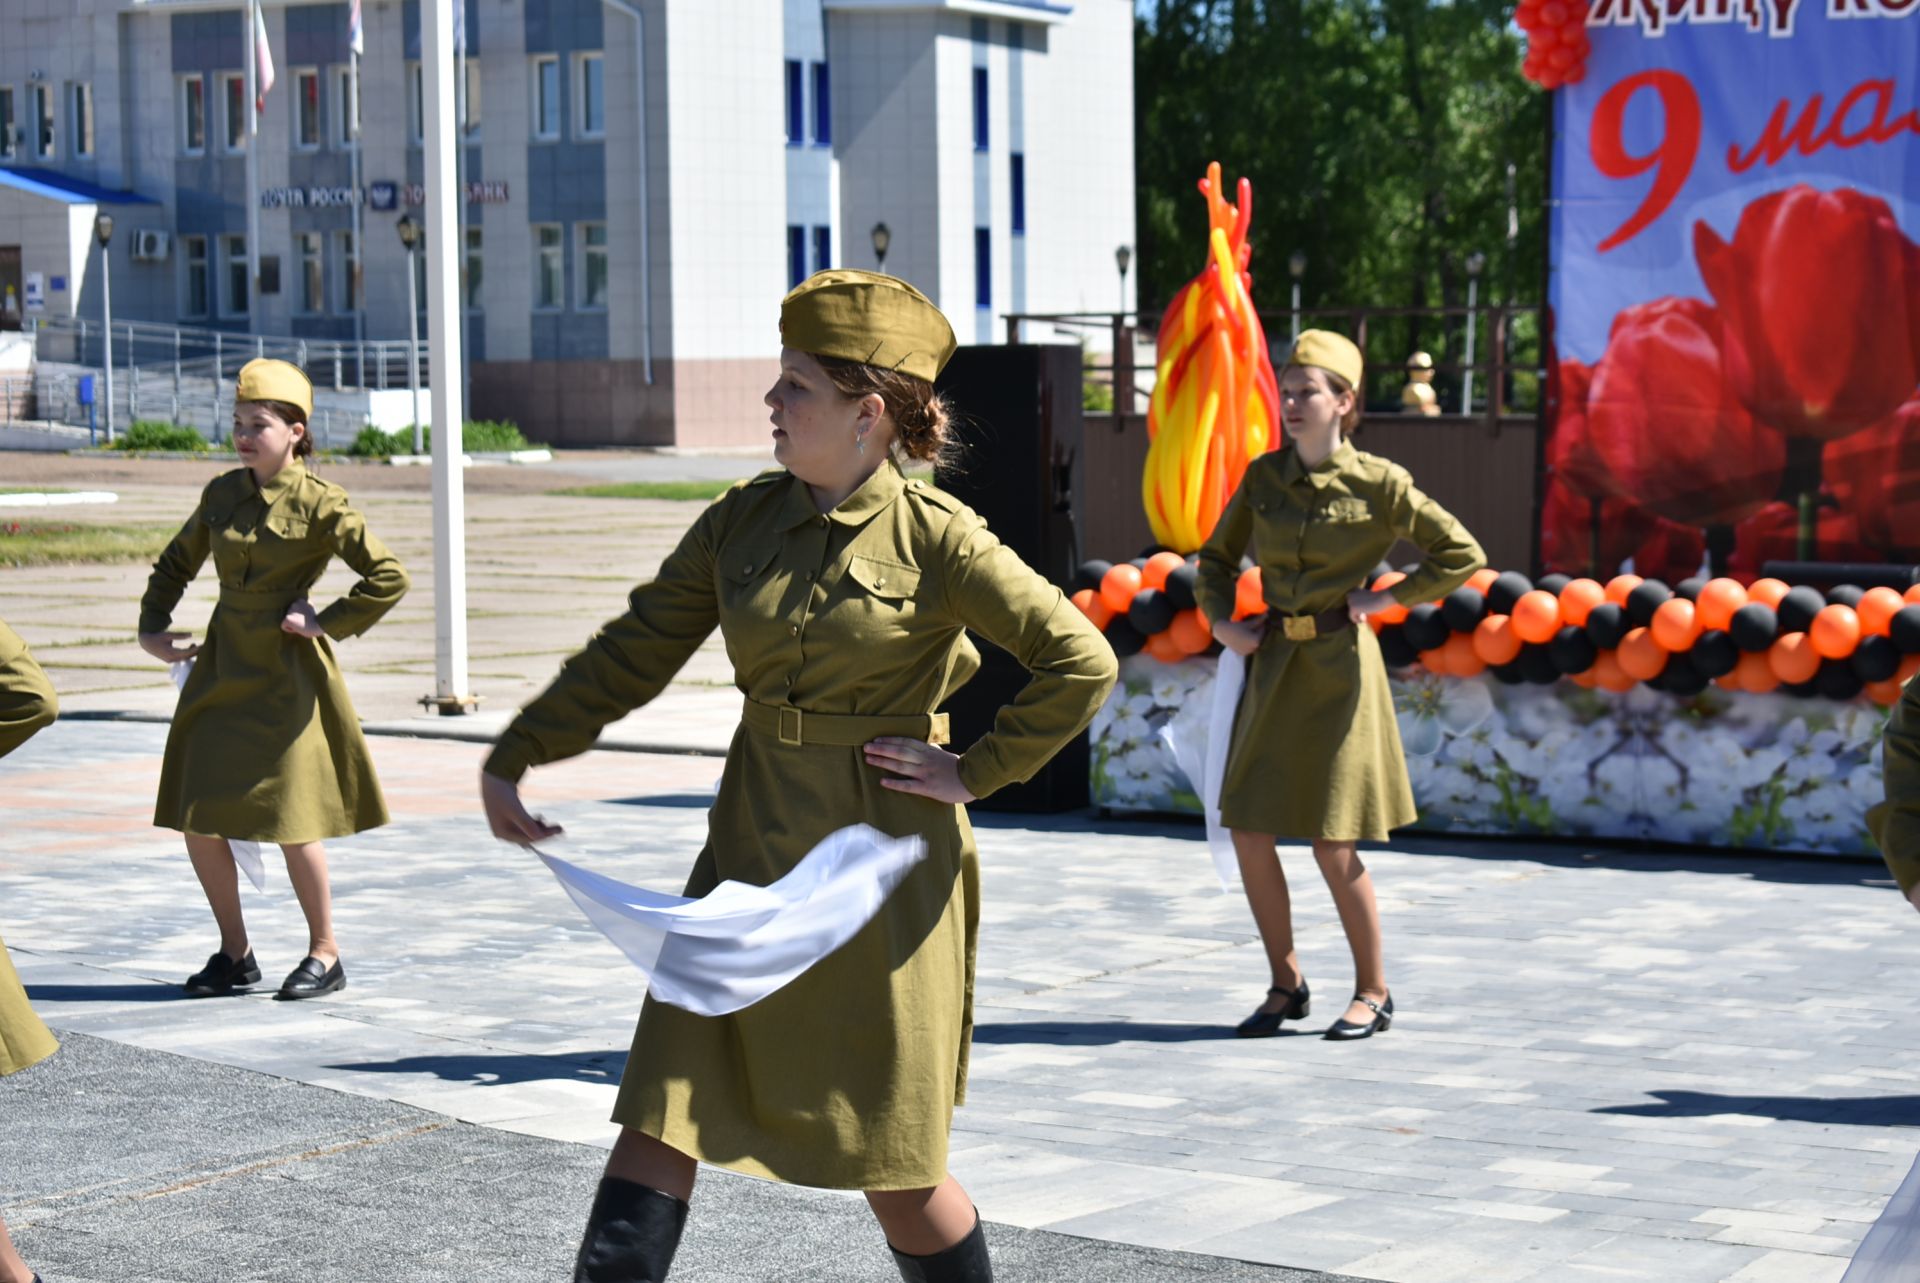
[(11, 302)]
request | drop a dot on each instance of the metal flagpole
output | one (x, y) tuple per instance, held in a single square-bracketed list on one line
[(355, 280), (253, 167), (460, 39), (450, 695)]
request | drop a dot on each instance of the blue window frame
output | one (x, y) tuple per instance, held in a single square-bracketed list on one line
[(796, 102), (979, 108), (822, 249), (822, 106), (982, 267), (796, 255), (1017, 188)]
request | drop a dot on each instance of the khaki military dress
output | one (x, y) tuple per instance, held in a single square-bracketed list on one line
[(1895, 823), (841, 628), (27, 704), (1316, 749), (265, 744)]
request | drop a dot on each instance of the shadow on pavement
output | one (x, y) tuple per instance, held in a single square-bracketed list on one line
[(1859, 1111), (1100, 1033), (688, 801), (501, 1070), (107, 993)]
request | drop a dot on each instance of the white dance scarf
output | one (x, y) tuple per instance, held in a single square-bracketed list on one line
[(246, 855), (1890, 1253), (1200, 737), (739, 943)]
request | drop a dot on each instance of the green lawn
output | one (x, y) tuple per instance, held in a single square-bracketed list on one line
[(49, 543), (702, 490)]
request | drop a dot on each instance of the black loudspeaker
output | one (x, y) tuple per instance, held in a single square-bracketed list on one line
[(1018, 433)]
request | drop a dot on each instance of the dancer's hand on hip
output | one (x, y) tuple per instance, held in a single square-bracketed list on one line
[(509, 820), (1362, 602), (1242, 637), (923, 768), (166, 647), (302, 620)]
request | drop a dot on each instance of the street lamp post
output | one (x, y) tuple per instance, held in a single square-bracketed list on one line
[(881, 239), (412, 239), (1476, 264), (1296, 268), (1122, 259), (103, 232)]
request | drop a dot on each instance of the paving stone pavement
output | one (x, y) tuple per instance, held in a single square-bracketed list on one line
[(1608, 1064)]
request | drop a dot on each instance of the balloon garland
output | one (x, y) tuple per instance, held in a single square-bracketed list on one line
[(1216, 404), (1757, 637), (1557, 45)]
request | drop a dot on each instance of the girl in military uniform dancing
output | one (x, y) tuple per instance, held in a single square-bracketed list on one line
[(265, 744), (844, 591), (1316, 752)]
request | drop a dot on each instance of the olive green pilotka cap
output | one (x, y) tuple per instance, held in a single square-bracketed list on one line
[(1325, 350), (869, 318), (263, 379)]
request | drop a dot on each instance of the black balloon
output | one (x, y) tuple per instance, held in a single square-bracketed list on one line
[(1875, 659), (1154, 550), (1506, 590), (1845, 595), (1553, 583), (1797, 609), (1151, 612), (1606, 625), (1508, 674), (1463, 608), (1425, 628), (1800, 690), (1537, 666), (1690, 588), (1837, 680), (1180, 587), (1395, 649), (1090, 574), (1572, 651), (1753, 627), (1683, 679), (1713, 654), (1646, 597), (1124, 637), (1904, 629), (1138, 563)]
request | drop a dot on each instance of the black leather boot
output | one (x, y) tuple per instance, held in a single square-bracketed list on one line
[(964, 1262), (631, 1235)]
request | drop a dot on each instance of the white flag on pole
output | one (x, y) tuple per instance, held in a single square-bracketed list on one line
[(262, 58), (356, 33)]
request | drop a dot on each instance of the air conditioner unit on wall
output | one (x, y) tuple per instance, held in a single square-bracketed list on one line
[(150, 244)]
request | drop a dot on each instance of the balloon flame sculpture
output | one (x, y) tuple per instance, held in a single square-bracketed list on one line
[(1215, 401)]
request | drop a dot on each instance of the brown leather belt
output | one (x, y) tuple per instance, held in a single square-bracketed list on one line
[(1299, 628), (796, 727)]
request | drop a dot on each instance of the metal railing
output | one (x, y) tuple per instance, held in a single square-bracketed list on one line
[(379, 364)]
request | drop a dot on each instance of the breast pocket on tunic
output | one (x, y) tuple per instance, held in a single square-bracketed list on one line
[(286, 528), (746, 578), (878, 598)]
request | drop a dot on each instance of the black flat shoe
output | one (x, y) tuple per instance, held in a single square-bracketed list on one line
[(1265, 1024), (223, 975), (1344, 1030), (310, 980)]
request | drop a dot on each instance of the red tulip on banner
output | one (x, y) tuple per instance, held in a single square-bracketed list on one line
[(1820, 295), (1659, 549), (1662, 421), (1875, 477), (1570, 454), (1773, 534)]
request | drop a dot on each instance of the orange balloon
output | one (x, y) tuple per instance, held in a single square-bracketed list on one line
[(1641, 656), (1460, 657), (1767, 592), (1190, 631), (1578, 599), (1793, 658), (1249, 598), (1435, 660), (1620, 585), (1835, 631), (1482, 579), (1887, 692), (1093, 607), (1676, 624), (1495, 641), (1608, 674), (1755, 672), (1877, 609), (1718, 599), (1396, 613), (1586, 679), (1158, 567), (1912, 595), (1729, 681), (1164, 648), (1118, 587), (1536, 616)]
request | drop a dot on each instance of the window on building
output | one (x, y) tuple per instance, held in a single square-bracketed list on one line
[(796, 255), (80, 118), (193, 115), (346, 257), (822, 249), (416, 104), (45, 141), (472, 84), (313, 271), (822, 106), (979, 108), (7, 123), (982, 267), (193, 264), (234, 301), (233, 94), (590, 84), (546, 98), (475, 269), (549, 267), (346, 117), (796, 103), (593, 266), (1017, 189), (306, 109)]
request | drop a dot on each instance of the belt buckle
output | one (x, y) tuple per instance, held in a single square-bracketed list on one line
[(1299, 628), (939, 729), (790, 716)]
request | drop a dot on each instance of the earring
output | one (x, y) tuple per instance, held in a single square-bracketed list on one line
[(860, 442)]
